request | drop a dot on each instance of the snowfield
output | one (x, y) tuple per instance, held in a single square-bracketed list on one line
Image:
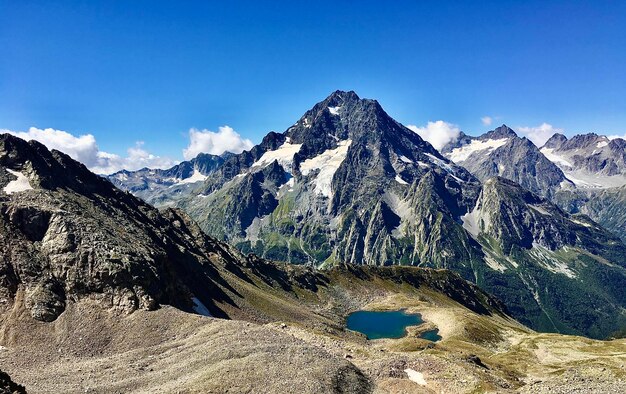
[(19, 185), (284, 156), (463, 153), (197, 176), (327, 162)]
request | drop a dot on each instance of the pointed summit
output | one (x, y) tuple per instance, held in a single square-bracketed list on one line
[(555, 142), (340, 96), (503, 131)]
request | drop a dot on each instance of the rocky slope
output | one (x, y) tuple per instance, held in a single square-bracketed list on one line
[(348, 184), (501, 152)]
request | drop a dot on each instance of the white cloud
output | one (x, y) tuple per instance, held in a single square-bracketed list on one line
[(487, 120), (612, 137), (215, 143), (540, 134), (85, 149), (438, 133)]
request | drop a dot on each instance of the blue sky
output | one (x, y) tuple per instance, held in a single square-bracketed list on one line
[(149, 71)]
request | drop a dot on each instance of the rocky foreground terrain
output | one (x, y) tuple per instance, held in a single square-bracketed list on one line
[(102, 293)]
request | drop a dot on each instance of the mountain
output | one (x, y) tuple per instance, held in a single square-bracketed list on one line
[(589, 160), (501, 152), (334, 188), (89, 276), (348, 184), (160, 187), (540, 258)]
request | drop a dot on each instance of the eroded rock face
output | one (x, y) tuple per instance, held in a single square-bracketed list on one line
[(72, 234)]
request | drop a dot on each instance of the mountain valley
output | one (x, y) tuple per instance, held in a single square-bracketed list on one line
[(94, 278)]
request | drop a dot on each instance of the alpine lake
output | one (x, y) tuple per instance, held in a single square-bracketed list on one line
[(387, 324)]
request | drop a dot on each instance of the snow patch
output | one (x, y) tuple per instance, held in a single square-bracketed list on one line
[(19, 185), (287, 187), (553, 157), (602, 144), (443, 165), (546, 259), (461, 154), (494, 265), (415, 376), (584, 179), (539, 209), (470, 222), (199, 307), (334, 110), (401, 181), (580, 223), (284, 156), (406, 159), (197, 176), (327, 163)]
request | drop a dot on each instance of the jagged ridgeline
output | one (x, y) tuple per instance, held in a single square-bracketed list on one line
[(348, 184)]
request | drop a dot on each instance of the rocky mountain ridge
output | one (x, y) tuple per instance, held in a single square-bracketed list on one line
[(159, 187), (501, 152)]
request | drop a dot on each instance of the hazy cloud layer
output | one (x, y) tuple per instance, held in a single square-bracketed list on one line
[(215, 143), (540, 134), (85, 149), (487, 120), (438, 133)]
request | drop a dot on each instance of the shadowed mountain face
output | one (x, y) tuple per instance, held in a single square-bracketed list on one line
[(348, 184)]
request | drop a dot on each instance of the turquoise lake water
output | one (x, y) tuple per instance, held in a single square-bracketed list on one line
[(387, 324)]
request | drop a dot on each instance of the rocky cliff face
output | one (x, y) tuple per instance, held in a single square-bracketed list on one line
[(597, 166), (501, 152), (556, 258), (66, 234)]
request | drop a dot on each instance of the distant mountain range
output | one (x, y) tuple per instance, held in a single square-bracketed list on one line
[(349, 184)]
